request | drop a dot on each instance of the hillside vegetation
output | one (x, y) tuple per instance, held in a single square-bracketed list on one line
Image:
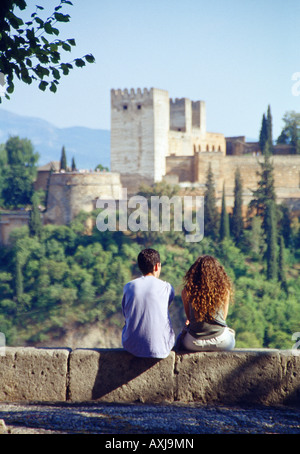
[(65, 276)]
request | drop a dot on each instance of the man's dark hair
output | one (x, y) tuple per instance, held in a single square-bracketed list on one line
[(147, 259)]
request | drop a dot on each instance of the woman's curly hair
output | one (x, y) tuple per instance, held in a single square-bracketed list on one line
[(207, 286)]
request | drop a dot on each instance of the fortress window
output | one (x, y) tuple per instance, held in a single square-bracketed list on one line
[(139, 107), (125, 107)]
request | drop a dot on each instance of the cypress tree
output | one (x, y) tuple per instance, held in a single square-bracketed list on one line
[(18, 279), (73, 165), (237, 224), (35, 223), (270, 129), (263, 135), (281, 265), (63, 159), (266, 191), (271, 236), (257, 241), (266, 134), (224, 221), (211, 215)]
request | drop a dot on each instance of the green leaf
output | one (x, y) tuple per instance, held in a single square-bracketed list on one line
[(40, 22), (79, 62), (71, 41), (53, 87), (90, 58), (43, 85), (66, 47), (64, 69), (14, 21), (62, 17), (55, 73), (48, 28), (10, 88)]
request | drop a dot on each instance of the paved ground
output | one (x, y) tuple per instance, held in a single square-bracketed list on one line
[(192, 419)]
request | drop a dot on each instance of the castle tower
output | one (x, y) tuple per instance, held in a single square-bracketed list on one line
[(140, 122), (199, 116), (181, 115)]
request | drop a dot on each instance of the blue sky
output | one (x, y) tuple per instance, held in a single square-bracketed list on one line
[(237, 55)]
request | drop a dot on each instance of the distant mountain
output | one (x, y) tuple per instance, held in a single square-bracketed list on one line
[(89, 147)]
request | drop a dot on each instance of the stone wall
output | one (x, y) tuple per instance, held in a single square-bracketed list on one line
[(10, 221), (72, 192), (286, 173), (267, 377)]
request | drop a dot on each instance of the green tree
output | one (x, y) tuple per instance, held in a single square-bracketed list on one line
[(284, 223), (211, 215), (290, 133), (266, 190), (63, 159), (237, 222), (256, 240), (19, 173), (35, 222), (28, 50), (73, 165), (263, 135), (281, 265), (266, 134), (101, 168), (224, 220), (271, 238), (18, 279), (3, 164), (270, 129)]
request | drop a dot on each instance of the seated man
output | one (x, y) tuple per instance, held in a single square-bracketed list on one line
[(148, 331)]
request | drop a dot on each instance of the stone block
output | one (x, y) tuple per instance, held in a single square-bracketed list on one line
[(33, 374), (234, 377), (290, 381), (117, 376)]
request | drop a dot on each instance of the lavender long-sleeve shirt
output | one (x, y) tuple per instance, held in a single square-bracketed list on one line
[(148, 331)]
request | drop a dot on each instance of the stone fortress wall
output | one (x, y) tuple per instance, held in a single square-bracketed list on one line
[(191, 173), (71, 192), (155, 138), (147, 126)]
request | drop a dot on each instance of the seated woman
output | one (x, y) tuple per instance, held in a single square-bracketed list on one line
[(206, 296)]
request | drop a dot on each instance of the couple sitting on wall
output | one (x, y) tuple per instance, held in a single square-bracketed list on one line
[(146, 300)]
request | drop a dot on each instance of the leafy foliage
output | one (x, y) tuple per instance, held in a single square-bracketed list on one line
[(28, 50), (18, 172), (64, 276)]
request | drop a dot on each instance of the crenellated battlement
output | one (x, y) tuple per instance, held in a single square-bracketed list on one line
[(178, 101), (128, 95)]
